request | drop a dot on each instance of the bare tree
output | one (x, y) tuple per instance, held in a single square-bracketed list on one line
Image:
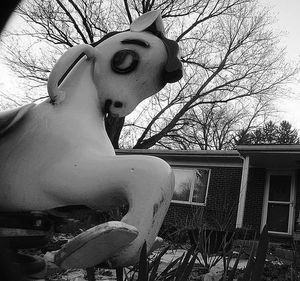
[(214, 126), (228, 51)]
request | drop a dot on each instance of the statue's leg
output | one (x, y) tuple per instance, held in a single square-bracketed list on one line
[(149, 190), (145, 182)]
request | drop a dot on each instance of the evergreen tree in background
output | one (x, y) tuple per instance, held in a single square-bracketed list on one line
[(270, 133), (287, 135)]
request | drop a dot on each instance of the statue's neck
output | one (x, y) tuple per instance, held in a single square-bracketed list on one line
[(80, 112), (81, 95)]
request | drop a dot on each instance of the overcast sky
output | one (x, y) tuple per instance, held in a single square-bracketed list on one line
[(287, 14)]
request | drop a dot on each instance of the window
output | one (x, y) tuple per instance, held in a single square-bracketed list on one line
[(191, 185)]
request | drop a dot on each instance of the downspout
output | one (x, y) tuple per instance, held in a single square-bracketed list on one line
[(243, 192)]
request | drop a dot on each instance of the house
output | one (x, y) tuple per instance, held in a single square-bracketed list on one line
[(243, 188)]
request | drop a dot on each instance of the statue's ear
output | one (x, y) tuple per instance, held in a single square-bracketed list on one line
[(62, 67), (151, 22), (10, 118)]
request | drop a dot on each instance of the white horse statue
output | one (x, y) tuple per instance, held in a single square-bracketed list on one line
[(57, 153)]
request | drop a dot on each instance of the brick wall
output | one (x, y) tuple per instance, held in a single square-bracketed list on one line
[(297, 207), (221, 206), (254, 198), (223, 197)]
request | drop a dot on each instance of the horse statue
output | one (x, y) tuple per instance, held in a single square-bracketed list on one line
[(57, 153)]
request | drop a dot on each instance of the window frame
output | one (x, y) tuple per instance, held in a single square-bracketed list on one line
[(291, 203), (190, 202)]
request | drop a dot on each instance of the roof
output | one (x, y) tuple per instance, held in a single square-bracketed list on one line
[(273, 156), (191, 157), (264, 148), (283, 156)]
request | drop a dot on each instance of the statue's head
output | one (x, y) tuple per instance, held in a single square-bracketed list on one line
[(130, 66)]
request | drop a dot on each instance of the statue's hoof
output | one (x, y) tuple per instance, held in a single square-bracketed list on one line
[(95, 245), (157, 244)]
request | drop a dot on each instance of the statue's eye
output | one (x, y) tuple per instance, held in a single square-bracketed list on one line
[(124, 61)]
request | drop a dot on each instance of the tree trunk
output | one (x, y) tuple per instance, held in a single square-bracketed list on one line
[(114, 127)]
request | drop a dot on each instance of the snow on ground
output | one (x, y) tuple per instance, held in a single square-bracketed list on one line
[(109, 275)]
